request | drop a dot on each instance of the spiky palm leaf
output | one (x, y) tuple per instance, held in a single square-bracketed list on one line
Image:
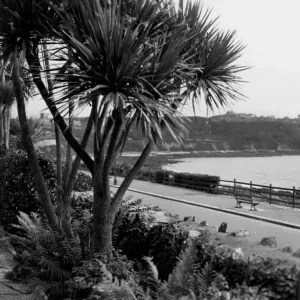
[(22, 25), (37, 129)]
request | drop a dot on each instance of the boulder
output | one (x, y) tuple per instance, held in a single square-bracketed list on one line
[(203, 223), (269, 242), (193, 233), (162, 217), (296, 253), (287, 249), (240, 233), (223, 227)]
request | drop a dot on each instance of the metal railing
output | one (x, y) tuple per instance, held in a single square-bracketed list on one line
[(264, 193)]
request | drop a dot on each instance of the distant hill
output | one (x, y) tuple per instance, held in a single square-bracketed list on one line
[(222, 134)]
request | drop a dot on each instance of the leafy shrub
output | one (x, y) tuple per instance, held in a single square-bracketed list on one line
[(17, 186), (130, 236), (92, 280), (197, 182), (162, 176), (83, 182), (165, 243)]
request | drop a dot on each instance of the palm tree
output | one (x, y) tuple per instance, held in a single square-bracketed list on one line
[(134, 62), (138, 61)]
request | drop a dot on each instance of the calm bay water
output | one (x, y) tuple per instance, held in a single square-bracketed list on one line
[(281, 171)]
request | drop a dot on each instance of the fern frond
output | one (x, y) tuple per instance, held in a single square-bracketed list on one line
[(54, 269), (205, 278), (182, 279), (152, 268)]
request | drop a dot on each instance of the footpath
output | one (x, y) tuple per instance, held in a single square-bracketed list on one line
[(10, 290), (269, 220), (280, 215)]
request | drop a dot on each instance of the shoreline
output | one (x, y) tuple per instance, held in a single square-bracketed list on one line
[(157, 159)]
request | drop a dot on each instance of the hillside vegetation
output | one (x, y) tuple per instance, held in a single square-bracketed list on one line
[(220, 135)]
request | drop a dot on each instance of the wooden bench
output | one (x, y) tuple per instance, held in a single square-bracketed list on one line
[(245, 199)]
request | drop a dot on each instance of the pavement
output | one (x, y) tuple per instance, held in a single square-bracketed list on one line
[(10, 290), (270, 220)]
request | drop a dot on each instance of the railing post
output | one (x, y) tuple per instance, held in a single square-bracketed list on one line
[(270, 194), (234, 186), (164, 177), (293, 197), (250, 188)]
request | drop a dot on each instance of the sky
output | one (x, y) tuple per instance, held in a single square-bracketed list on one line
[(270, 31)]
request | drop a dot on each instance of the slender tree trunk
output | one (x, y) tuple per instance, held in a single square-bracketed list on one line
[(34, 67), (5, 126), (71, 180), (58, 172), (28, 144), (57, 138), (8, 127), (129, 178), (1, 126), (68, 162)]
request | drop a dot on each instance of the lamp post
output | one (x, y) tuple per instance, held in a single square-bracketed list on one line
[(115, 179)]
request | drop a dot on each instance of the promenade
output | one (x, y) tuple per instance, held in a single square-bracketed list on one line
[(216, 209)]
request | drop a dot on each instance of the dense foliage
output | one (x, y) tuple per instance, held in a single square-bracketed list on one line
[(17, 186), (83, 183)]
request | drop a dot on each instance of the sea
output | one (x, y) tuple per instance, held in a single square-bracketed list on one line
[(280, 171)]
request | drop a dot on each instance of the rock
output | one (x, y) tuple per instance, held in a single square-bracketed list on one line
[(193, 233), (161, 217), (203, 223), (287, 249), (296, 254), (269, 242), (223, 227), (189, 219), (240, 233), (237, 253)]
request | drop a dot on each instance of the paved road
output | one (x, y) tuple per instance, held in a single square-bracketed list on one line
[(258, 229)]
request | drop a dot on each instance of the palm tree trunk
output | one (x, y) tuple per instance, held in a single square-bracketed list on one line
[(68, 162), (1, 124), (71, 180), (57, 138), (58, 171), (34, 67), (29, 147), (102, 220), (7, 126)]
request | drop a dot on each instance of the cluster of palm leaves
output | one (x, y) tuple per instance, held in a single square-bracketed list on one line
[(37, 128)]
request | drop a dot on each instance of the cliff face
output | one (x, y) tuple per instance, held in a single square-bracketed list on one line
[(224, 135)]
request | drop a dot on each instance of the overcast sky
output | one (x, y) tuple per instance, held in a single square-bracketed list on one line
[(270, 29)]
